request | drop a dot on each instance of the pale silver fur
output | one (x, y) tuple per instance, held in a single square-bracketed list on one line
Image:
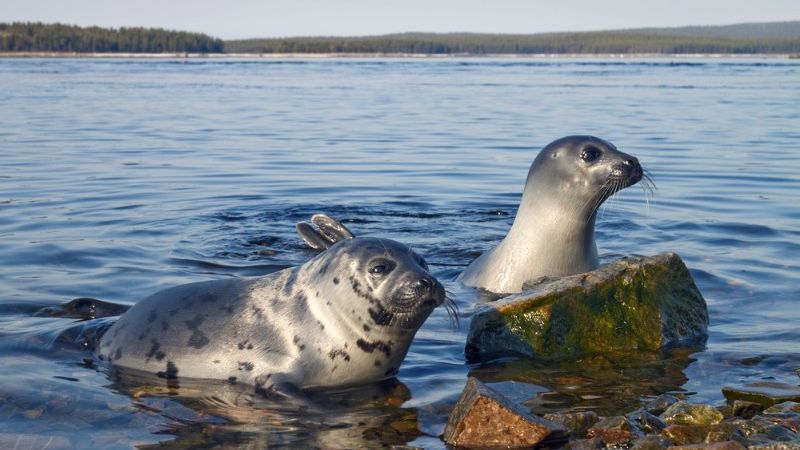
[(553, 232), (299, 326)]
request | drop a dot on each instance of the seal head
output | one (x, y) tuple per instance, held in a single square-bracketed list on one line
[(553, 232), (345, 317)]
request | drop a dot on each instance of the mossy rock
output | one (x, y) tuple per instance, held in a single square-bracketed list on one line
[(633, 304)]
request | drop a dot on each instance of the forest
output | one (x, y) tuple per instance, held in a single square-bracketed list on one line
[(601, 42), (764, 38), (38, 37)]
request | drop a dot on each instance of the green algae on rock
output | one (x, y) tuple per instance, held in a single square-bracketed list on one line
[(633, 304)]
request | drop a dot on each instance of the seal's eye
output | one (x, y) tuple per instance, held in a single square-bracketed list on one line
[(590, 154), (381, 267)]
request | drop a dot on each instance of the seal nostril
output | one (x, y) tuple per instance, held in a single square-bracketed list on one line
[(424, 283)]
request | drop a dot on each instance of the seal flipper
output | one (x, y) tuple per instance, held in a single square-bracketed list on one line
[(331, 228), (83, 308), (312, 237), (329, 231)]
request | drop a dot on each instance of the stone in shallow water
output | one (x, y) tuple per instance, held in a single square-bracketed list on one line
[(745, 409), (578, 423), (767, 393), (615, 430), (685, 413), (647, 422), (698, 434), (660, 404), (634, 304), (586, 444), (485, 418), (726, 445), (651, 442)]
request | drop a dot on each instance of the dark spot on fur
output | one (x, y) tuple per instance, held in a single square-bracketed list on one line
[(197, 339), (300, 346), (370, 347), (152, 316), (377, 362), (196, 321), (317, 294), (118, 353), (246, 365), (208, 298), (258, 312), (366, 327), (245, 345), (339, 352), (231, 380), (321, 326), (155, 351), (335, 280), (380, 316), (216, 361), (170, 373)]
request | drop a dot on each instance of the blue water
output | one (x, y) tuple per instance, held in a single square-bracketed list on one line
[(122, 177)]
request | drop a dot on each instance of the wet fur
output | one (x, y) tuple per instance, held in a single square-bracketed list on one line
[(325, 323)]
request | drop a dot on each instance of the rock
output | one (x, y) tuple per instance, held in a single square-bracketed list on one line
[(615, 430), (578, 423), (651, 442), (586, 444), (774, 446), (767, 393), (726, 445), (745, 409), (760, 429), (647, 422), (660, 404), (785, 409), (685, 413), (698, 434), (485, 418), (634, 304)]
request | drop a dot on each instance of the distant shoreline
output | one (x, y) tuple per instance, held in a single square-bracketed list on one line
[(109, 55)]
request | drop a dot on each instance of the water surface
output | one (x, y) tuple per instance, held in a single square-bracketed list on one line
[(122, 177)]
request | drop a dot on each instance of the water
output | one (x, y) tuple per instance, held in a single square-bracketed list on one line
[(122, 177)]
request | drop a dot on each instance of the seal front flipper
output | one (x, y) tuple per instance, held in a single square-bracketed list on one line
[(83, 308), (329, 231)]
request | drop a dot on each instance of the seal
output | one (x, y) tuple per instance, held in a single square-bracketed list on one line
[(553, 231), (345, 317)]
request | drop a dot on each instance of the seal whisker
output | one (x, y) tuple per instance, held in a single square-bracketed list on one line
[(451, 307)]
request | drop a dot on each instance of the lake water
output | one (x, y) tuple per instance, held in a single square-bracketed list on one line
[(122, 177)]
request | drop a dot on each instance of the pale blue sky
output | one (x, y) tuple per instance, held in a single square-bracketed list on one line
[(251, 18)]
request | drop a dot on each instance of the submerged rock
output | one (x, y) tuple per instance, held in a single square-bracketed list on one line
[(767, 393), (698, 434), (616, 430), (745, 409), (578, 423), (485, 418), (660, 404), (652, 442), (647, 422), (685, 413), (634, 304), (726, 445)]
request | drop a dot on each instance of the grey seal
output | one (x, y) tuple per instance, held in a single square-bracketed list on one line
[(345, 317), (553, 232)]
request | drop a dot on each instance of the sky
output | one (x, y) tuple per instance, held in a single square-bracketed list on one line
[(236, 19)]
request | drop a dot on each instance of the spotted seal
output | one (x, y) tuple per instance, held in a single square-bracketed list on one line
[(345, 317), (553, 232)]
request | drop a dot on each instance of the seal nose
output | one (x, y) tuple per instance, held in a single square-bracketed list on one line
[(425, 283), (631, 162)]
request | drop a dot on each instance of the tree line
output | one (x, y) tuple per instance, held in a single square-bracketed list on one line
[(617, 42), (39, 37), (783, 38)]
